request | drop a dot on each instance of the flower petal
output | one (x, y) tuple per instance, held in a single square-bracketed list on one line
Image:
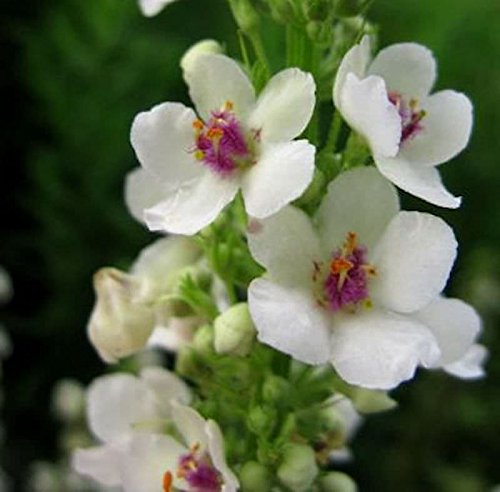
[(355, 61), (143, 190), (163, 139), (116, 402), (407, 68), (413, 260), (285, 106), (190, 208), (360, 200), (216, 451), (147, 458), (177, 333), (286, 244), (365, 105), (100, 463), (421, 181), (216, 79), (446, 129), (191, 425), (282, 173), (455, 325), (380, 350), (470, 366), (150, 8), (290, 321)]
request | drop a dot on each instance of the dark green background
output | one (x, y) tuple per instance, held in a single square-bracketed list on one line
[(74, 74)]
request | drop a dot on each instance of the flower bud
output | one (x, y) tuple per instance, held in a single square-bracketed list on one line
[(298, 469), (337, 482), (204, 47), (261, 420), (68, 400), (317, 9), (283, 11), (203, 340), (120, 323), (320, 32), (371, 401), (255, 477), (349, 8), (275, 389), (245, 15), (234, 331)]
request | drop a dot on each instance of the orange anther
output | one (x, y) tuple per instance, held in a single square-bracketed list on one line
[(339, 265), (215, 133), (198, 125), (351, 243), (167, 482), (228, 105)]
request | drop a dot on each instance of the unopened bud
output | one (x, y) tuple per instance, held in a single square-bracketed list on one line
[(349, 8), (203, 340), (245, 15), (262, 420), (337, 482), (275, 389), (283, 11), (120, 323), (320, 32), (68, 400), (371, 401), (255, 477), (298, 469), (204, 47), (234, 331), (317, 9)]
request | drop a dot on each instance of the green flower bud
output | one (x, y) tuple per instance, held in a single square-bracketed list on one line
[(317, 9), (255, 477), (203, 340), (188, 363), (349, 8), (283, 11), (234, 331), (245, 15), (298, 469), (261, 420), (204, 47), (275, 389), (320, 32), (372, 401), (337, 482)]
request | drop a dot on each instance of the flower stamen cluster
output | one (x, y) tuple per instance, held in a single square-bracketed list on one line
[(411, 115)]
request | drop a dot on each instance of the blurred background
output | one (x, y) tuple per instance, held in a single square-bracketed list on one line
[(75, 73)]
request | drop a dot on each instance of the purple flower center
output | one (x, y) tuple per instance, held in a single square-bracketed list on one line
[(221, 142), (343, 282), (411, 116), (198, 472)]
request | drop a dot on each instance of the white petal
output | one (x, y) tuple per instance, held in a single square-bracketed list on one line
[(407, 68), (100, 463), (360, 201), (166, 387), (290, 321), (216, 79), (446, 129), (365, 106), (143, 190), (191, 426), (470, 366), (355, 61), (147, 459), (455, 325), (380, 350), (192, 207), (150, 8), (286, 244), (285, 106), (418, 180), (116, 402), (216, 451), (282, 173), (176, 334), (413, 260), (163, 139)]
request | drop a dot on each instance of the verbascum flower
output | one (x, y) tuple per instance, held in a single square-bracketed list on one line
[(386, 100), (129, 308), (150, 8), (194, 164), (356, 287), (118, 407)]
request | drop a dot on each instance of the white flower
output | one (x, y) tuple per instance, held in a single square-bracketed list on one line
[(350, 290), (409, 132), (129, 309), (195, 462), (193, 166), (150, 8), (118, 407)]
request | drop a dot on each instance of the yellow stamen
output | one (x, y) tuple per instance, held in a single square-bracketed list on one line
[(167, 482), (198, 125), (351, 243), (199, 155)]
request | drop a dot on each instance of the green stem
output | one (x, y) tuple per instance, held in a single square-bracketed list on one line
[(260, 52), (333, 134)]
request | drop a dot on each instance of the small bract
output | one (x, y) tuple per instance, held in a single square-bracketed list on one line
[(359, 287), (194, 164), (409, 132)]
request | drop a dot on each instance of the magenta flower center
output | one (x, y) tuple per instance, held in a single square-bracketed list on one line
[(222, 144), (198, 472), (411, 115), (342, 283)]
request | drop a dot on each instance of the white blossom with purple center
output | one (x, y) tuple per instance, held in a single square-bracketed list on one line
[(355, 286), (386, 100), (192, 165)]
